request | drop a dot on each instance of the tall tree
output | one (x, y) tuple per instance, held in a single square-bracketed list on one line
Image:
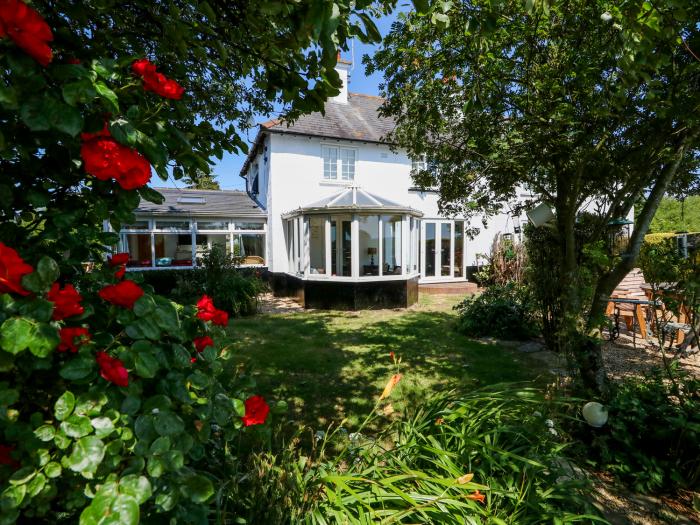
[(574, 100), (202, 181)]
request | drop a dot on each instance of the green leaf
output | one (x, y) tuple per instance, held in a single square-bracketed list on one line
[(19, 333), (136, 486), (81, 91), (156, 466), (103, 426), (78, 368), (64, 405), (131, 405), (52, 470), (48, 269), (45, 432), (22, 476), (77, 426), (151, 195), (87, 455), (146, 365), (109, 96), (111, 509), (160, 445), (15, 334), (35, 115), (168, 423), (12, 497), (197, 488), (144, 305)]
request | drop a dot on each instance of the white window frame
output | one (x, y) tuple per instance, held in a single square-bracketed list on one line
[(339, 175)]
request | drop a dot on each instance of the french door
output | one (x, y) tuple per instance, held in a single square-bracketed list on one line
[(441, 249)]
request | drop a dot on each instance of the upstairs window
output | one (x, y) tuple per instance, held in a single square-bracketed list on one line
[(339, 161), (418, 163)]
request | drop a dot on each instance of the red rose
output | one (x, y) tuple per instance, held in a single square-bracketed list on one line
[(69, 334), (143, 67), (156, 82), (118, 258), (27, 29), (6, 456), (105, 159), (66, 302), (122, 294), (12, 268), (120, 272), (256, 411), (208, 312), (112, 369), (200, 343), (163, 86)]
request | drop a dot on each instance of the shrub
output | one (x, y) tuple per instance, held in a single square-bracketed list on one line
[(113, 402), (163, 281), (652, 438), (503, 311), (493, 456), (233, 289)]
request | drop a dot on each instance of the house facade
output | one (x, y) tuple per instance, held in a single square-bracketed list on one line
[(345, 225)]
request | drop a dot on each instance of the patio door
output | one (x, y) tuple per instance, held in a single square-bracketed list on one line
[(440, 243)]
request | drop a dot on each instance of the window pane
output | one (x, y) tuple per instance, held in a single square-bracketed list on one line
[(369, 244), (212, 225), (205, 242), (249, 226), (430, 249), (252, 248), (347, 248), (317, 248), (334, 247), (445, 240), (138, 225), (459, 248), (139, 249), (347, 157), (170, 251), (391, 244), (330, 163), (172, 225)]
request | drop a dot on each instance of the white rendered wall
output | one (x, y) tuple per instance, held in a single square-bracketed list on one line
[(296, 180)]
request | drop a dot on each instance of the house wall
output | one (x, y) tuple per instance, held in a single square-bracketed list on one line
[(295, 179)]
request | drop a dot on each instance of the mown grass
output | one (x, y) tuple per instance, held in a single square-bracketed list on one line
[(331, 365)]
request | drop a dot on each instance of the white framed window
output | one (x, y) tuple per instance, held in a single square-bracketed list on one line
[(339, 161), (419, 163)]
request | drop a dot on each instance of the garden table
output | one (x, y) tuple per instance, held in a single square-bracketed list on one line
[(684, 313), (638, 315)]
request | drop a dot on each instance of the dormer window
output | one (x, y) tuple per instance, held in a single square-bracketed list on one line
[(339, 163)]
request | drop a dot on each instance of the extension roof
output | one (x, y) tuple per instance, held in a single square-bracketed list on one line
[(353, 199), (219, 203)]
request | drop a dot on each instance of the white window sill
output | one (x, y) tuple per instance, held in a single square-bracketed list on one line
[(336, 182)]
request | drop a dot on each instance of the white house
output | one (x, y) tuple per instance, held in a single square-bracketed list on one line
[(345, 225)]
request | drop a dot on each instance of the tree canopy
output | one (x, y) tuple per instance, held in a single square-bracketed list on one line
[(578, 102)]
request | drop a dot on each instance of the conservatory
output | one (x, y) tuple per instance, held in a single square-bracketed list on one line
[(353, 249)]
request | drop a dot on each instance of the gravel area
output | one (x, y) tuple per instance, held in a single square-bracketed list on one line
[(626, 358)]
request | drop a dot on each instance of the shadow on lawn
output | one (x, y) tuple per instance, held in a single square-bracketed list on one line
[(333, 365)]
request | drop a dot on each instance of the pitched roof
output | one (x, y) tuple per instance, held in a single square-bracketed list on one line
[(220, 203), (357, 120)]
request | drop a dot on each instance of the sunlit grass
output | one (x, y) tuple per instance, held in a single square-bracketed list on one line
[(331, 365)]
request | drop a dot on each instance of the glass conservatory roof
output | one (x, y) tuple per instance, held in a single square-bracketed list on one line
[(353, 199)]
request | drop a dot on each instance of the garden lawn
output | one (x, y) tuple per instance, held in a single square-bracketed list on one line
[(331, 365)]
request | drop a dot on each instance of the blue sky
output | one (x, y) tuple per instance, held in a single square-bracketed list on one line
[(227, 169)]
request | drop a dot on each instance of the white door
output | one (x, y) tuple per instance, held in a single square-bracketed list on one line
[(438, 250)]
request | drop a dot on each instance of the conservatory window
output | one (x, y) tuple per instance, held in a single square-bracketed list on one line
[(391, 245), (368, 232), (317, 245)]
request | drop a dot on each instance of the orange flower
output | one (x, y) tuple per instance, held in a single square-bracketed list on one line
[(390, 385), (439, 421), (477, 496), (465, 479)]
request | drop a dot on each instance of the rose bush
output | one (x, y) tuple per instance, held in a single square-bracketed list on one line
[(113, 402)]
